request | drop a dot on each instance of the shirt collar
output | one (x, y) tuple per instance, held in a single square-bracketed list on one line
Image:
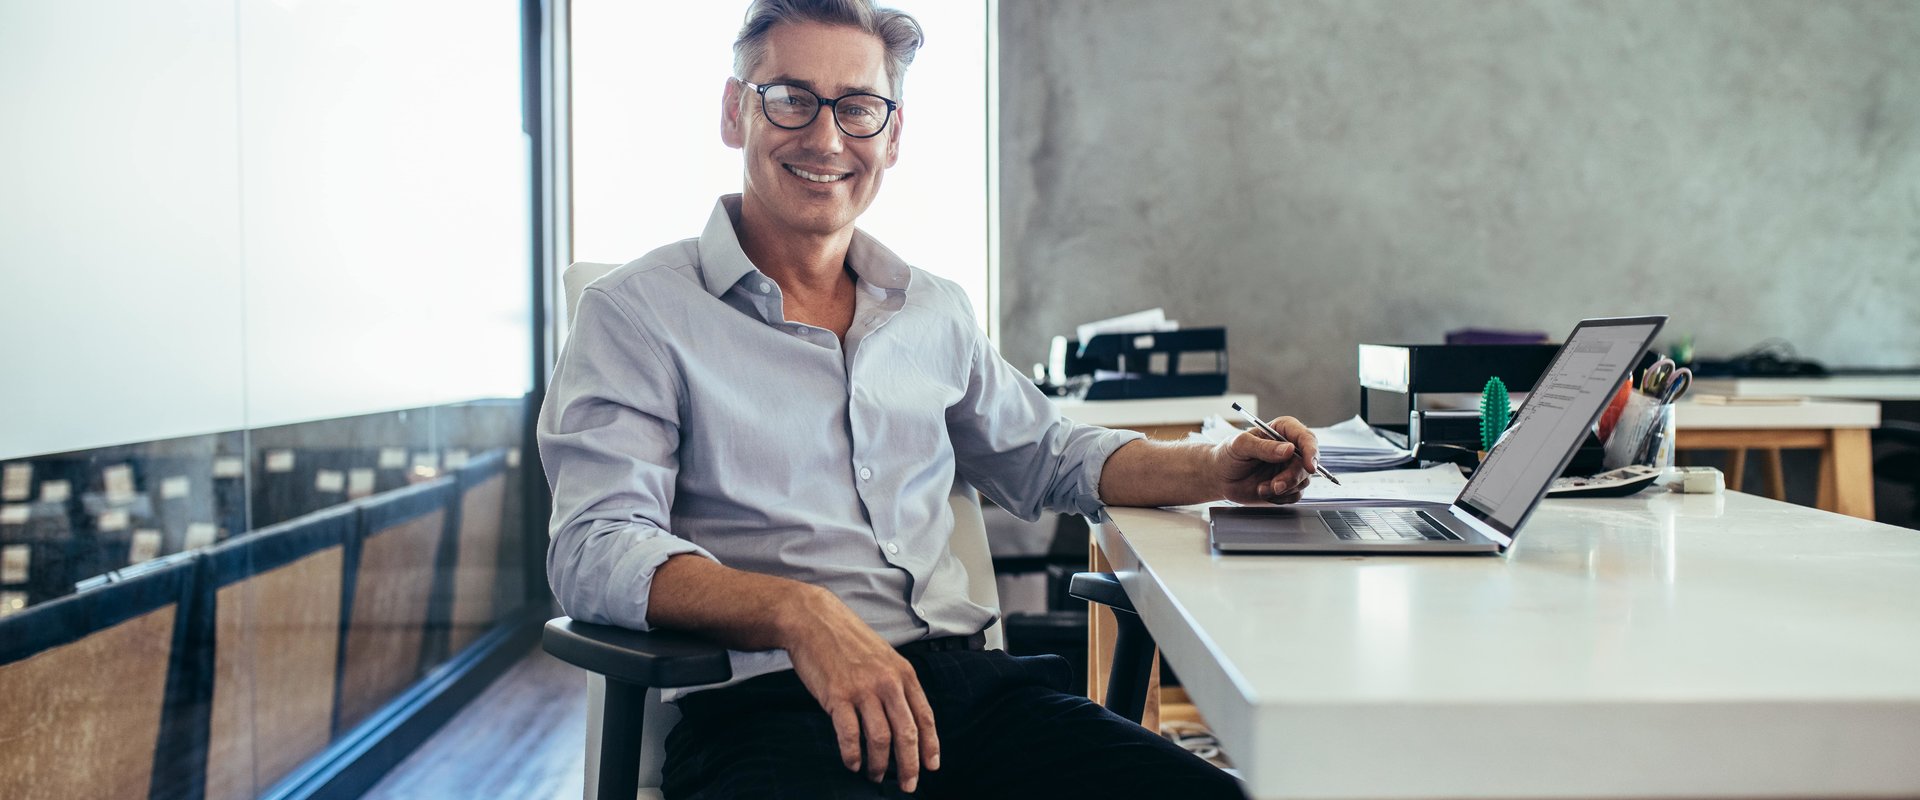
[(723, 263)]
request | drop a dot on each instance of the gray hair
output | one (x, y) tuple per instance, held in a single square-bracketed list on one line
[(899, 32)]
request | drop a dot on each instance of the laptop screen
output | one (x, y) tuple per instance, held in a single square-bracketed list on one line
[(1554, 420)]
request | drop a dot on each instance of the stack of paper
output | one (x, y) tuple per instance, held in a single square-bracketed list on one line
[(1152, 320), (1439, 483), (1351, 445)]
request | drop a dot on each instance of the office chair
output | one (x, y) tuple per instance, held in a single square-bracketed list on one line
[(627, 724), (1902, 464)]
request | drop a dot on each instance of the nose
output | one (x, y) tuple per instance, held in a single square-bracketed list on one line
[(823, 134)]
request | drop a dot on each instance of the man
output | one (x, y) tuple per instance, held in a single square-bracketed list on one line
[(752, 435)]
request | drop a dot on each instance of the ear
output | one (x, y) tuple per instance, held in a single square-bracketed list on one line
[(732, 126), (893, 135)]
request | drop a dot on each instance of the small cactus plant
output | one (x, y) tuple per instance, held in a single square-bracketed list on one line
[(1496, 410)]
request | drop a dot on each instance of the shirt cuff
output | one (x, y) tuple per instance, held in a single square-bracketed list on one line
[(1090, 504), (633, 577)]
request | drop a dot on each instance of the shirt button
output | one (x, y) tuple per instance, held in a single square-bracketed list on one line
[(893, 548), (765, 287), (866, 474)]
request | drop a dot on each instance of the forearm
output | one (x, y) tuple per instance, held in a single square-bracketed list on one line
[(741, 610), (1150, 473)]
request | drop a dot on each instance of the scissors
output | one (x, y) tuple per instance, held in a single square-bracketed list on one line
[(1666, 380), (1676, 385), (1654, 380)]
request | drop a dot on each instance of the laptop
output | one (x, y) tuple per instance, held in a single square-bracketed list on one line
[(1504, 491)]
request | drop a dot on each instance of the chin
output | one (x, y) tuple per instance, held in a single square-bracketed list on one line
[(816, 217)]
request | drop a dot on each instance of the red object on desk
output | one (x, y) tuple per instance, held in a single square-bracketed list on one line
[(1611, 416)]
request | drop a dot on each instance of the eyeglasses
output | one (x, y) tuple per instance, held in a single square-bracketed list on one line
[(858, 115)]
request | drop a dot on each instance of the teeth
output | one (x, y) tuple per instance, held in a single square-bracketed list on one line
[(812, 177)]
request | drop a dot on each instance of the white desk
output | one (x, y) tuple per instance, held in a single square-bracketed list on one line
[(1162, 412), (1861, 387), (1655, 646), (1839, 429), (1169, 418)]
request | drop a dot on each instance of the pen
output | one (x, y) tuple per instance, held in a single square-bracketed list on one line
[(1275, 435)]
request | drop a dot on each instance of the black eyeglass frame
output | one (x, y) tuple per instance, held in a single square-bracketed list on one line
[(819, 103)]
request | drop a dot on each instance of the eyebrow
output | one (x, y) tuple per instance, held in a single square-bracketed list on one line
[(809, 86)]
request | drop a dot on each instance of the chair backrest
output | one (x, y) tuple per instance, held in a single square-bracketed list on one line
[(576, 279), (85, 685), (276, 641), (969, 545)]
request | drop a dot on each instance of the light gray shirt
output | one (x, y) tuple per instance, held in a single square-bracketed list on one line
[(688, 415)]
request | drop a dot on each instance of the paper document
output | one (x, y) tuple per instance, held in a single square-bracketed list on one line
[(1350, 446), (1151, 320), (1439, 483)]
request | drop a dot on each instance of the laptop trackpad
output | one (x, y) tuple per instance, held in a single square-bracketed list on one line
[(1269, 525)]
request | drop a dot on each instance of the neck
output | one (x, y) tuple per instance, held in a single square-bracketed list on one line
[(803, 263)]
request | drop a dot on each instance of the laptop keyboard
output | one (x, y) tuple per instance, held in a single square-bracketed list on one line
[(1385, 525)]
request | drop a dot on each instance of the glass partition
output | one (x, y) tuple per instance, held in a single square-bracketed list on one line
[(269, 366)]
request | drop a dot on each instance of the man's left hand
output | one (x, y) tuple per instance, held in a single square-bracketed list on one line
[(1252, 468)]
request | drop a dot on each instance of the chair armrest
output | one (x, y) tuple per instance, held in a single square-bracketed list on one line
[(660, 659), (1102, 588), (1901, 431)]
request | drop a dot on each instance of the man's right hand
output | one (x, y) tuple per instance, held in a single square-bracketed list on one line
[(871, 692)]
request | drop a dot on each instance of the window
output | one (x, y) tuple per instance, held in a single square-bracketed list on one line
[(644, 176)]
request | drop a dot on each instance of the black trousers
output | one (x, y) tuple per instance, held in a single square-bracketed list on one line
[(1008, 729)]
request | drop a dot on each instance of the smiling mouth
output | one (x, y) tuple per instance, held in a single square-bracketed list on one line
[(814, 176)]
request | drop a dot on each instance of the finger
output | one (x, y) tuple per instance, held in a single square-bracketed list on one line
[(1302, 438), (923, 720), (906, 741), (873, 723), (1282, 486), (846, 729), (1255, 445)]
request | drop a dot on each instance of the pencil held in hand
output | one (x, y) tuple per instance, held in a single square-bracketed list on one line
[(1275, 435)]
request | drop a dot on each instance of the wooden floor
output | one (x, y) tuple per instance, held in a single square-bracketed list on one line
[(524, 737)]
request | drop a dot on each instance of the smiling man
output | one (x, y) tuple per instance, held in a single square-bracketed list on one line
[(752, 435)]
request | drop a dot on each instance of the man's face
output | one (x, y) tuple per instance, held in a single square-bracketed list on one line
[(832, 61)]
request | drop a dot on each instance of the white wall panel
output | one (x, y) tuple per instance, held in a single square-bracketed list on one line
[(386, 206), (120, 283)]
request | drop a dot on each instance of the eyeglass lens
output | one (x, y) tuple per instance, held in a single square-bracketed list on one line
[(790, 107)]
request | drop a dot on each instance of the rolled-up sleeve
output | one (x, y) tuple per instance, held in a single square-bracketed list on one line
[(609, 438), (1012, 444)]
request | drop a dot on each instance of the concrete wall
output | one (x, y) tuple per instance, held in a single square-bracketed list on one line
[(1317, 174)]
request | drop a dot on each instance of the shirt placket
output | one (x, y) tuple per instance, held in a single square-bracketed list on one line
[(871, 313)]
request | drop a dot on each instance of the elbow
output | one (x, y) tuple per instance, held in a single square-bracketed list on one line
[(579, 593)]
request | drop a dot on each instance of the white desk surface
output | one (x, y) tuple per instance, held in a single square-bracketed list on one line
[(1863, 387), (1157, 411), (1661, 645), (1691, 415)]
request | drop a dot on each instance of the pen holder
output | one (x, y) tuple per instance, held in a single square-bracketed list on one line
[(1644, 435), (1660, 435)]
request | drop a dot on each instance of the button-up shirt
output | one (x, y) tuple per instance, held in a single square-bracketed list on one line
[(687, 414)]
